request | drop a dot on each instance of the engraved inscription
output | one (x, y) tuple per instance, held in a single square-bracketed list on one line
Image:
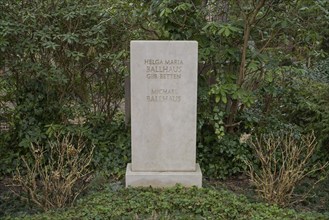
[(163, 69), (163, 76), (164, 91), (167, 69), (163, 98), (164, 95), (160, 62)]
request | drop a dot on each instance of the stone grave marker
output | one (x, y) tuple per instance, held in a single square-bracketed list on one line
[(163, 88)]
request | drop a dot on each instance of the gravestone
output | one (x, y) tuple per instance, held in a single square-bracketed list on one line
[(163, 88)]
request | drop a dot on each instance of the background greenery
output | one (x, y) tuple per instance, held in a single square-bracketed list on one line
[(63, 66)]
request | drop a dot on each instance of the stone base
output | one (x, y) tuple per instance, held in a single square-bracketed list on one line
[(163, 179)]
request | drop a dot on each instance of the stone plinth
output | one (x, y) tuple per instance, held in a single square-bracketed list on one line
[(163, 179)]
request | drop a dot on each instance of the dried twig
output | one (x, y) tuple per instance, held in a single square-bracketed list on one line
[(52, 179), (284, 162)]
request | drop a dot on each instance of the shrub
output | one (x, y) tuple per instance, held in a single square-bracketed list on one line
[(112, 141), (55, 177), (284, 161), (171, 203), (308, 104), (60, 61), (222, 158), (294, 98), (220, 154)]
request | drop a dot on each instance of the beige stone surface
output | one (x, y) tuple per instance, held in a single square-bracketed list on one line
[(163, 179), (163, 105)]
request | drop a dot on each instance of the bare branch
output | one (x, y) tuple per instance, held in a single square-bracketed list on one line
[(285, 161), (51, 181)]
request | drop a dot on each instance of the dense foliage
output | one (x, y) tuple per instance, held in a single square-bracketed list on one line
[(63, 69), (263, 67), (258, 65)]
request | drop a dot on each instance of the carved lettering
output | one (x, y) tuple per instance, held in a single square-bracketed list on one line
[(153, 62), (170, 76), (166, 69), (152, 76), (162, 98), (159, 62), (173, 62), (161, 69), (164, 91)]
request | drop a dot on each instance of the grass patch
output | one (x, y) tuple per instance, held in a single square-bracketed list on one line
[(172, 203)]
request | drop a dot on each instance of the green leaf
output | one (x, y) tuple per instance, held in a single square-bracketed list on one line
[(217, 99), (227, 32), (224, 99)]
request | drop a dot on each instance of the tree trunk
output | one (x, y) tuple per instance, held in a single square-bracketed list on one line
[(240, 79), (249, 21)]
